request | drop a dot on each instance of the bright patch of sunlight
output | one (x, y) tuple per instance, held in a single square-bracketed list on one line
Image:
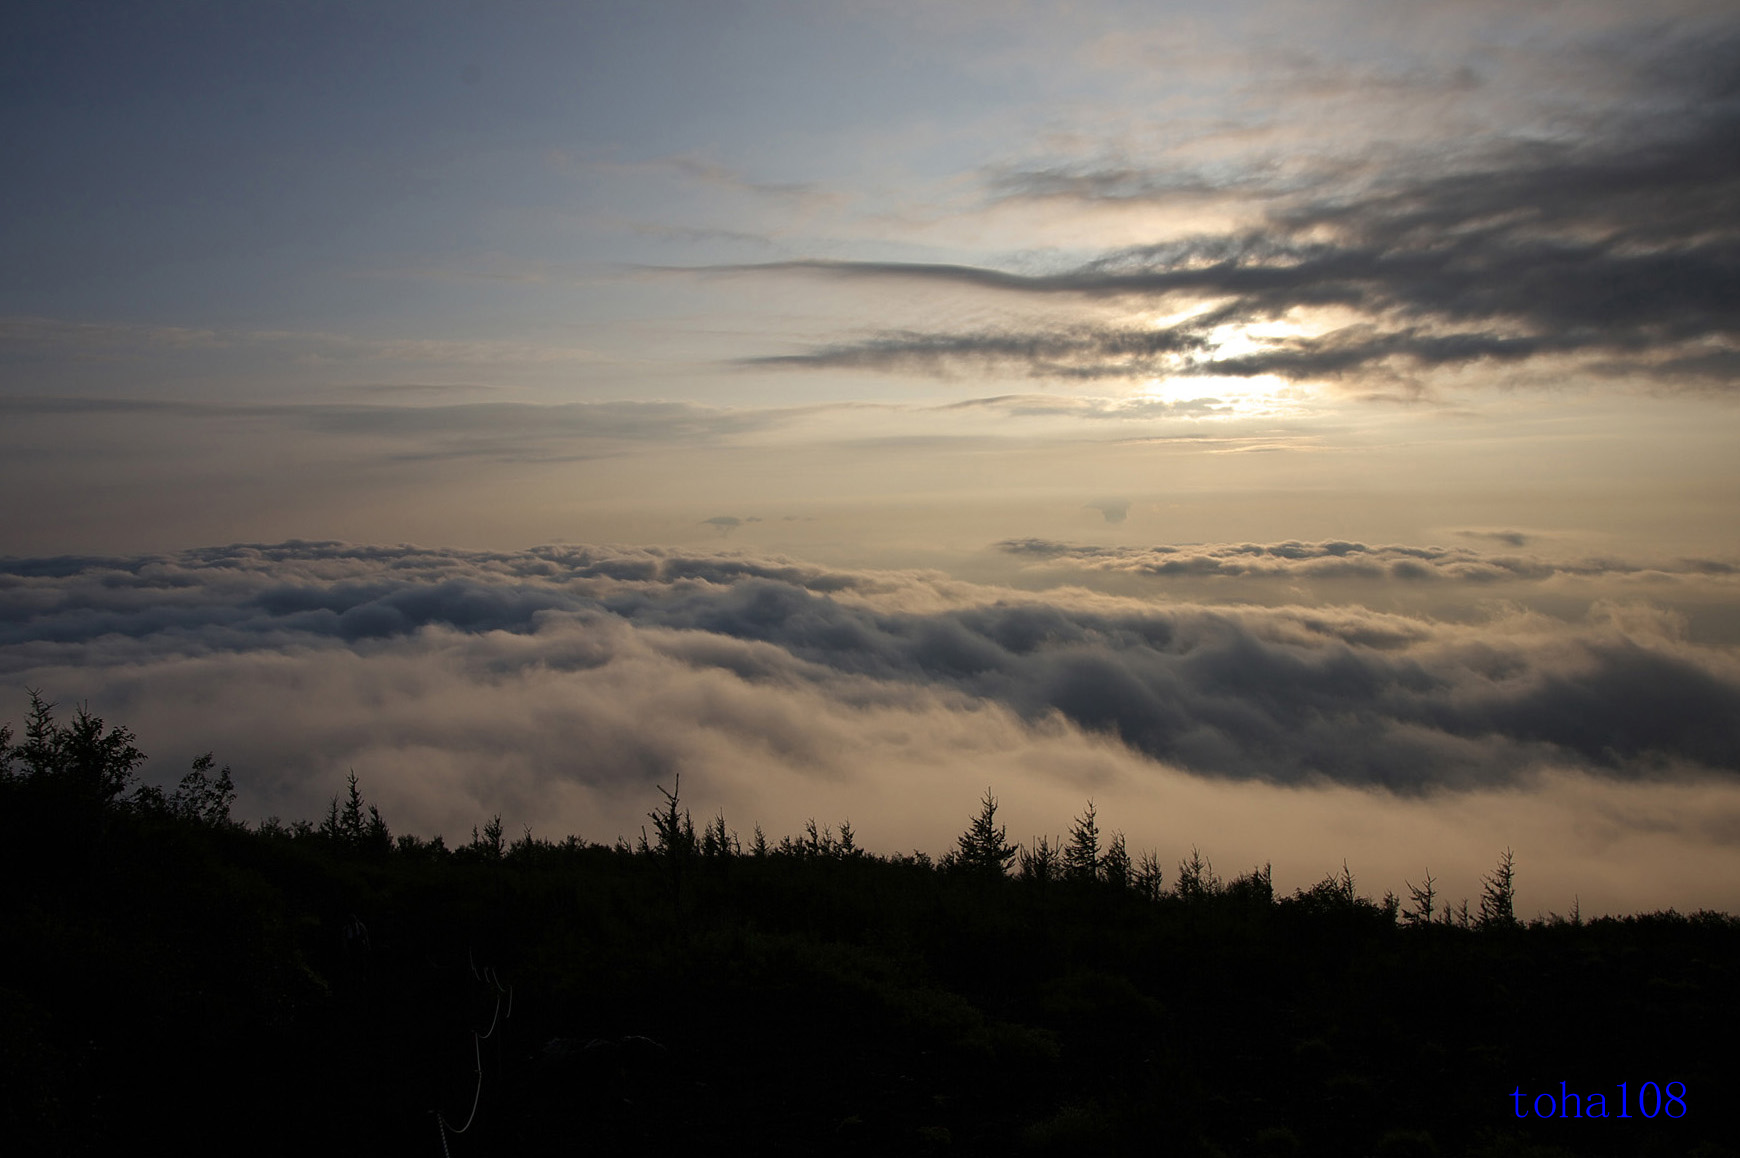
[(1194, 393), (1214, 396)]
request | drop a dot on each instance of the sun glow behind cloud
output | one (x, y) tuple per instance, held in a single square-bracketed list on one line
[(1195, 389), (1207, 397)]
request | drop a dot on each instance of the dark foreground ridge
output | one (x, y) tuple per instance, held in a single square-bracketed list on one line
[(171, 976)]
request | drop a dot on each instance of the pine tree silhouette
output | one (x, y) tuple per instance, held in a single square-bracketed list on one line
[(1498, 894), (984, 847), (1423, 898), (1081, 857), (78, 761), (1040, 861), (1115, 867), (1196, 877)]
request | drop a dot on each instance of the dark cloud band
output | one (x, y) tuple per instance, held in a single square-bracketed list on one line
[(1619, 251)]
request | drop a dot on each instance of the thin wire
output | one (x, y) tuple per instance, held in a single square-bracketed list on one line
[(477, 1097), (477, 1040), (494, 1019)]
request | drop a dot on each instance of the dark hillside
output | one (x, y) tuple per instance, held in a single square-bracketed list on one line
[(170, 976)]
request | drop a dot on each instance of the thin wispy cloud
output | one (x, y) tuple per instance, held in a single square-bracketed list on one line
[(508, 431), (1079, 353), (1057, 405), (30, 335)]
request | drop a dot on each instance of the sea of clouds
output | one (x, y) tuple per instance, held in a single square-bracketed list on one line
[(558, 685)]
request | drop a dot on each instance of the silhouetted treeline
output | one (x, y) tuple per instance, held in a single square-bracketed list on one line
[(171, 974)]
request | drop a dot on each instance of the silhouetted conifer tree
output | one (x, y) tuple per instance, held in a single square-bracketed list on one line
[(41, 750), (1115, 868), (984, 847), (78, 762), (716, 841), (676, 831), (1256, 887), (1423, 898), (1196, 878), (490, 845), (1149, 877), (1081, 858), (329, 827), (1498, 894), (355, 824), (351, 826), (378, 838), (1041, 861)]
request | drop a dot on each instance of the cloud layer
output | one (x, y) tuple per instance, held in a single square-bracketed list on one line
[(1343, 560), (1285, 695)]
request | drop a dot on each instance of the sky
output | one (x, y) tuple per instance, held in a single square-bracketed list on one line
[(1306, 431)]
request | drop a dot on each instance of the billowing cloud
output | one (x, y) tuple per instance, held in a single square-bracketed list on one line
[(1285, 695)]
